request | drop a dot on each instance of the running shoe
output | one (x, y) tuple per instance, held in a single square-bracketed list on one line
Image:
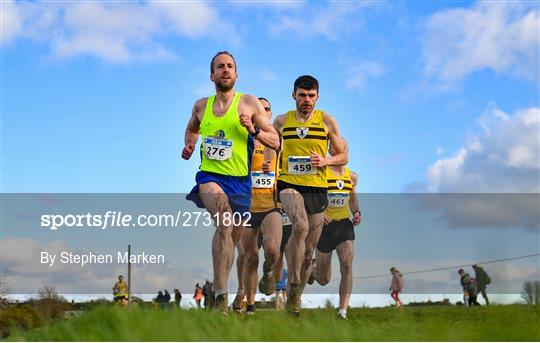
[(222, 303), (294, 298), (267, 285)]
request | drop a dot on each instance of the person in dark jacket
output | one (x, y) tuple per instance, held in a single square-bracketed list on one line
[(159, 299), (470, 287), (177, 297), (166, 300), (482, 279)]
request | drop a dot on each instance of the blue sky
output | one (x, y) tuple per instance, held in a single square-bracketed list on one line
[(90, 106), (431, 96)]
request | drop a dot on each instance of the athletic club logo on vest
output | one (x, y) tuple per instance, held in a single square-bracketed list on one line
[(340, 184), (302, 131)]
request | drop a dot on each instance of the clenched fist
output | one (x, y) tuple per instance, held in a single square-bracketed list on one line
[(357, 218), (188, 151), (266, 167), (317, 160), (245, 121)]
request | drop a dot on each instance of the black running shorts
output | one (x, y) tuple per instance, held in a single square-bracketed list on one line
[(315, 198), (334, 234)]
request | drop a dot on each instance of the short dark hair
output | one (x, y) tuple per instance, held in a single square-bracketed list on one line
[(461, 271), (225, 52), (306, 82), (263, 98)]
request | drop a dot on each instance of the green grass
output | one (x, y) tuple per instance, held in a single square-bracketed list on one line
[(494, 323)]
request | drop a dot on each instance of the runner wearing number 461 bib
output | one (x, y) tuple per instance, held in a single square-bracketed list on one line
[(228, 122), (305, 134), (340, 218)]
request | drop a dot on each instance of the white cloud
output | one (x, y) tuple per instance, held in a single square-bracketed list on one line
[(498, 35), (10, 25), (505, 157), (363, 71), (113, 32), (330, 21), (267, 75)]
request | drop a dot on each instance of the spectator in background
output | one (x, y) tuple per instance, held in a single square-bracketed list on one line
[(208, 294), (482, 280), (396, 286), (159, 299), (177, 297), (198, 295), (281, 289), (470, 288), (166, 300)]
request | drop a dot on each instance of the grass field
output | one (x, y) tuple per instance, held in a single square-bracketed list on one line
[(494, 323)]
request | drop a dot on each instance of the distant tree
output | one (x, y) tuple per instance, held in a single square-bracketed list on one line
[(531, 292), (48, 292), (49, 304), (4, 286)]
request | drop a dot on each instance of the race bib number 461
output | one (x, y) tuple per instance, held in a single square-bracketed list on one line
[(336, 199), (262, 180), (217, 148), (301, 165)]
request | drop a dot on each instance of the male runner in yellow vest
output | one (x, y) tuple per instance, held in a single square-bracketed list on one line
[(338, 233), (267, 218), (305, 134), (120, 291), (228, 123)]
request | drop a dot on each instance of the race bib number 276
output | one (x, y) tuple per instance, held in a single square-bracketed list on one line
[(217, 148)]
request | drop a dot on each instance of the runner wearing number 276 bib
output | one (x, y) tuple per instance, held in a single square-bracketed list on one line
[(228, 122), (305, 135)]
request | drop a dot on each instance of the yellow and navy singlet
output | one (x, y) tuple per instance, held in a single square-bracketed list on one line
[(263, 185), (339, 189), (299, 141), (226, 146)]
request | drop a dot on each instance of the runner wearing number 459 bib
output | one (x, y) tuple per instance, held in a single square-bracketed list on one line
[(341, 216), (305, 133), (267, 227), (228, 122)]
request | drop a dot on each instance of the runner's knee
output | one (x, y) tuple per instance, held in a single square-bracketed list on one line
[(346, 267)]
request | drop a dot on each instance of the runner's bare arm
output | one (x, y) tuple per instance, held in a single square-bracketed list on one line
[(192, 130), (353, 201), (268, 156), (341, 155), (254, 116)]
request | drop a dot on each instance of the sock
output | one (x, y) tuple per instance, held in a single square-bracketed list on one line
[(220, 292), (342, 312), (250, 308)]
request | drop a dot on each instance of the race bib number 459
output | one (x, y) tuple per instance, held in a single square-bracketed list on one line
[(262, 180), (336, 199), (301, 165), (217, 148)]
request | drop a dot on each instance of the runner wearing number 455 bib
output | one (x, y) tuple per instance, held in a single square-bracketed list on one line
[(305, 133), (341, 216), (228, 123), (267, 227)]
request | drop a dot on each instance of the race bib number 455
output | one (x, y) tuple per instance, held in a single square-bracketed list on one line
[(301, 165), (217, 148), (262, 180), (336, 199)]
